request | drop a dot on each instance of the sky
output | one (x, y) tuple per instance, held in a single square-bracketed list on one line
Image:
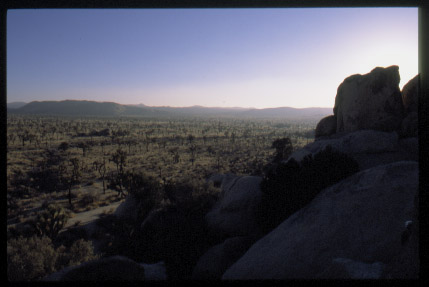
[(254, 57)]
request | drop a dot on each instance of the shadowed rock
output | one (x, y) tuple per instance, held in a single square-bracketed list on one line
[(370, 101), (410, 95), (233, 214), (326, 127), (220, 257), (361, 219)]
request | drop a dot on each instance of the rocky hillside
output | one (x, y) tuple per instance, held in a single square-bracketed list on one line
[(365, 226)]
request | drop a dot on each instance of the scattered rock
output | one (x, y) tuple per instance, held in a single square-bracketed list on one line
[(233, 214), (360, 218), (370, 101)]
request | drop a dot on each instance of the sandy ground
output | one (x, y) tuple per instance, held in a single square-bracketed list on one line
[(88, 216)]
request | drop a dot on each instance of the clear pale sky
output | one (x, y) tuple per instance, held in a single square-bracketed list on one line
[(211, 57)]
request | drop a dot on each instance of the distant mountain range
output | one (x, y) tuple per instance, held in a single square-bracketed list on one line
[(91, 108)]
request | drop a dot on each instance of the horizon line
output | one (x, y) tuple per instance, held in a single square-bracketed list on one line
[(164, 106)]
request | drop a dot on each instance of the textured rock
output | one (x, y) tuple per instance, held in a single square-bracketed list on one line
[(371, 101), (360, 218), (410, 95), (220, 257), (233, 214), (326, 127)]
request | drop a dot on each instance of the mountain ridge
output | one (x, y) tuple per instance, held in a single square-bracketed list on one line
[(94, 108)]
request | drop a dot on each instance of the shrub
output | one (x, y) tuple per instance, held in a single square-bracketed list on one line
[(283, 148), (50, 221), (80, 251), (288, 187), (30, 258), (35, 257)]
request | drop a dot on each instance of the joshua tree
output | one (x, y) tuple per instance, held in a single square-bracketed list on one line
[(101, 168), (71, 175), (120, 160)]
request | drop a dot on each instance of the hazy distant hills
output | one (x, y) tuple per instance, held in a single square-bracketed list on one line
[(15, 105), (91, 108)]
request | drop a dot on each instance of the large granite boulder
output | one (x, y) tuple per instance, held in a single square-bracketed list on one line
[(368, 147), (370, 101), (220, 257), (356, 222), (326, 127), (410, 95), (234, 213)]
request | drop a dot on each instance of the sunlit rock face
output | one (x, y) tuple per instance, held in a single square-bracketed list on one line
[(370, 101), (357, 228)]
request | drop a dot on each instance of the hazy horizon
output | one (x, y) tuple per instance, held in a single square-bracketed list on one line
[(247, 58), (167, 106)]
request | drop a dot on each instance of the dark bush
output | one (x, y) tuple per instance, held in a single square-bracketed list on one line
[(288, 187)]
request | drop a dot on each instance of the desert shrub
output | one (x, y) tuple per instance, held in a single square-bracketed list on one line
[(89, 198), (63, 146), (288, 187), (50, 221), (35, 257), (80, 251), (283, 148), (19, 184), (30, 258), (69, 236)]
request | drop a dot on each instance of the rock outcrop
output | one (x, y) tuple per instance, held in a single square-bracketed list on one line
[(372, 101), (356, 222), (233, 214), (326, 127)]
